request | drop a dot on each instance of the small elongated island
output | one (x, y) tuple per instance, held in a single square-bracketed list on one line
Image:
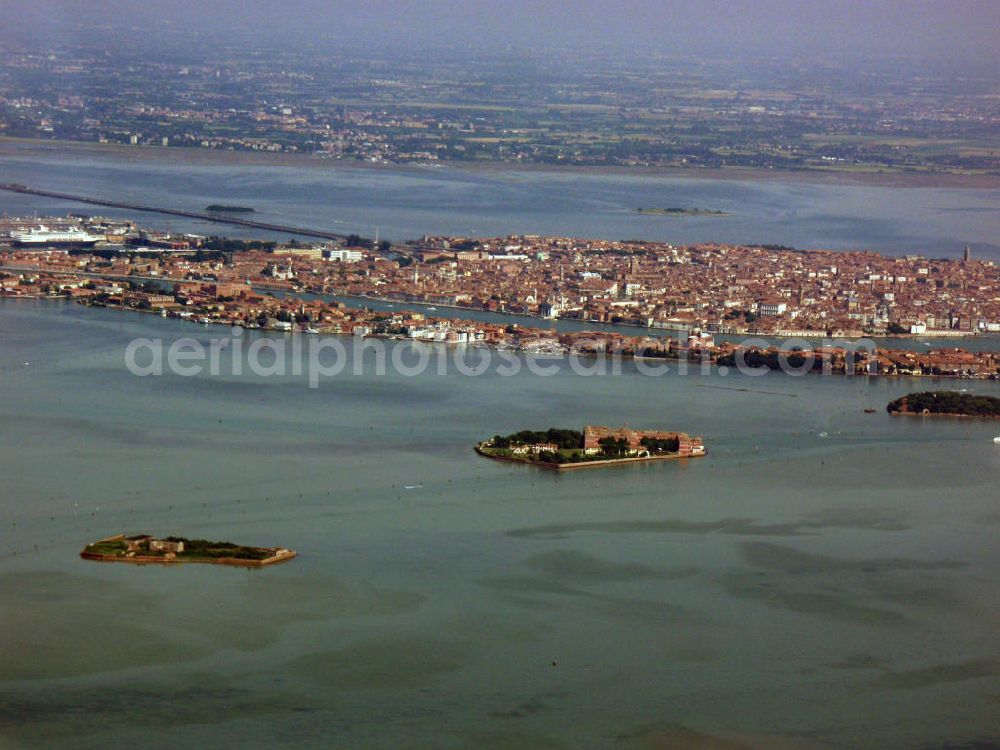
[(559, 449), (143, 548), (224, 209), (678, 211), (946, 404)]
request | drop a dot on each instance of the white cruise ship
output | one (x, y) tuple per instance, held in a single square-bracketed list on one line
[(42, 236)]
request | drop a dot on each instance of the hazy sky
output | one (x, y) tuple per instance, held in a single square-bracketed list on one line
[(949, 28)]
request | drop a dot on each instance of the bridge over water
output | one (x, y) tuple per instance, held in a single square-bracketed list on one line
[(303, 231)]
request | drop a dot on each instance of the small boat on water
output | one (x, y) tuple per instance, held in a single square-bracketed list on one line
[(997, 439), (310, 329), (869, 410)]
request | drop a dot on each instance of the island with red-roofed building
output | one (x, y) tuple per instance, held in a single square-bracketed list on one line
[(143, 548), (593, 446)]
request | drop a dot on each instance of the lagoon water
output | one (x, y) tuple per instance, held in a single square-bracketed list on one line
[(823, 578), (406, 203)]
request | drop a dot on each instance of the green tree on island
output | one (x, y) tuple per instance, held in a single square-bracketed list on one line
[(656, 445), (613, 447)]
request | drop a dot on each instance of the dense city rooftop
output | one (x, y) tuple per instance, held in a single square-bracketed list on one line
[(696, 292)]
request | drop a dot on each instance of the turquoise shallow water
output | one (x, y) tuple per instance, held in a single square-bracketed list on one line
[(823, 575)]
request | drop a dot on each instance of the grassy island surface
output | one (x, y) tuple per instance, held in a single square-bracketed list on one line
[(946, 404), (560, 448), (143, 548), (221, 208), (674, 211)]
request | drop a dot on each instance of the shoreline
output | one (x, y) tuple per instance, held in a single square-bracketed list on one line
[(134, 553), (818, 335), (346, 334), (23, 147), (154, 560), (585, 464), (386, 337), (947, 415), (636, 326)]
